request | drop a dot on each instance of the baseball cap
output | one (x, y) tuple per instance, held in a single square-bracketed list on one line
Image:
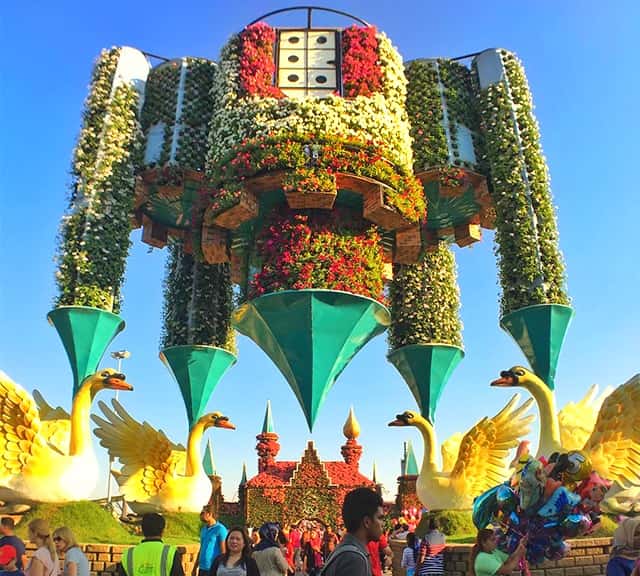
[(7, 553)]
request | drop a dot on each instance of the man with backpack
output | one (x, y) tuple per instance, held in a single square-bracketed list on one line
[(362, 516)]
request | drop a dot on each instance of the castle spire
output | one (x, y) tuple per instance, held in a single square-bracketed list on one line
[(267, 446), (243, 480), (351, 451), (267, 425), (375, 473), (410, 462), (208, 463)]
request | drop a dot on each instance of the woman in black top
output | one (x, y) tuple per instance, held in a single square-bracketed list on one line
[(237, 560)]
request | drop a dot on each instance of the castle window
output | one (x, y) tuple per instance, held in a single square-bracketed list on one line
[(307, 63)]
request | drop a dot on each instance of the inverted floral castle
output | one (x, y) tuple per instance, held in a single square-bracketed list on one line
[(309, 187)]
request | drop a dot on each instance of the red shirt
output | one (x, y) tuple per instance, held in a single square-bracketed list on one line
[(375, 548)]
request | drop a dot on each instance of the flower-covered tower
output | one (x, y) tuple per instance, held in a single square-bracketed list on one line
[(311, 189), (299, 167)]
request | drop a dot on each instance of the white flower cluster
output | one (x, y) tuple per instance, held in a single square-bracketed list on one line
[(94, 236)]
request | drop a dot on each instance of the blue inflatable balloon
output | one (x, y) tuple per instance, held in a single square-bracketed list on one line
[(485, 507), (506, 499), (561, 502)]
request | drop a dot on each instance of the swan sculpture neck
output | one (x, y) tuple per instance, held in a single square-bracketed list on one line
[(429, 465), (194, 465), (80, 433), (546, 400)]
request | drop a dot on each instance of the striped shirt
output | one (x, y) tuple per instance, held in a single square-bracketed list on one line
[(431, 554)]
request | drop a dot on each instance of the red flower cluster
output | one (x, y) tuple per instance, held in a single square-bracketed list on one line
[(361, 72), (337, 250), (452, 177), (257, 65)]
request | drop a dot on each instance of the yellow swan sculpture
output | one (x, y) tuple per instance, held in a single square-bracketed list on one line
[(614, 443), (156, 474), (45, 454), (482, 456)]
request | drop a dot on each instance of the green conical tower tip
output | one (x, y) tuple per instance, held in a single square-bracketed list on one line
[(426, 368), (311, 336), (197, 370), (539, 331), (86, 334), (267, 425), (410, 463), (208, 462), (243, 480), (375, 473)]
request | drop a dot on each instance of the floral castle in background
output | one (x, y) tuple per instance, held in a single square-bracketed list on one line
[(328, 182)]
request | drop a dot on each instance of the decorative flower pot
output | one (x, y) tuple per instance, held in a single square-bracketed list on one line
[(245, 209), (303, 200), (408, 246), (467, 234), (214, 245)]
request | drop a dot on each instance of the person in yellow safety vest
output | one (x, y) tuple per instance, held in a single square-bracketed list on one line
[(151, 557)]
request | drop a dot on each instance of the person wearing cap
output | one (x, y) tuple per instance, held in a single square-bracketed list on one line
[(151, 557), (7, 526), (8, 558)]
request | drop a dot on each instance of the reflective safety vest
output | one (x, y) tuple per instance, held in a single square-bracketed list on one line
[(152, 558)]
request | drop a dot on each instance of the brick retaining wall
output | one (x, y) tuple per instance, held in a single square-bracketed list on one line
[(587, 557), (104, 557)]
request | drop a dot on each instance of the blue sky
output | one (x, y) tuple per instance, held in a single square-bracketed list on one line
[(581, 64)]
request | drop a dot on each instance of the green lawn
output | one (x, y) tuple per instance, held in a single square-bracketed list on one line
[(91, 523)]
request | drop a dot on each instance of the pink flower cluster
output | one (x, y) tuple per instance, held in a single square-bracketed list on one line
[(257, 65), (361, 72)]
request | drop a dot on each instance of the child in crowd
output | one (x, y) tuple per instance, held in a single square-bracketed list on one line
[(8, 558)]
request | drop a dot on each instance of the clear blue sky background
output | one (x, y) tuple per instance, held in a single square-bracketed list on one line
[(581, 61)]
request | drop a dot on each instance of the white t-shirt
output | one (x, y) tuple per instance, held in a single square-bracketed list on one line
[(50, 566)]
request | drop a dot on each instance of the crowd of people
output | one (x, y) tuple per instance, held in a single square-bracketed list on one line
[(358, 548), (45, 559)]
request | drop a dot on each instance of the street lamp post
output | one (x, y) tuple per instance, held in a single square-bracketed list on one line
[(118, 355)]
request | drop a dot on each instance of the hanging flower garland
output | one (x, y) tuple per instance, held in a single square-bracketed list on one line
[(531, 266), (337, 251), (361, 73), (94, 237)]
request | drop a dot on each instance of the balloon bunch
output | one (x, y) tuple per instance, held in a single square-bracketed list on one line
[(548, 500)]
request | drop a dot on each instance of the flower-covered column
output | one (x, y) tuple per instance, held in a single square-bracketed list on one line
[(94, 235), (534, 299)]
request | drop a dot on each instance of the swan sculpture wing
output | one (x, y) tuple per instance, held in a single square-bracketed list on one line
[(55, 424), (149, 459), (482, 457), (449, 450), (21, 442), (614, 445), (577, 419)]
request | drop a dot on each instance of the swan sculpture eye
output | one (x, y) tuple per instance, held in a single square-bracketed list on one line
[(409, 415), (519, 372)]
